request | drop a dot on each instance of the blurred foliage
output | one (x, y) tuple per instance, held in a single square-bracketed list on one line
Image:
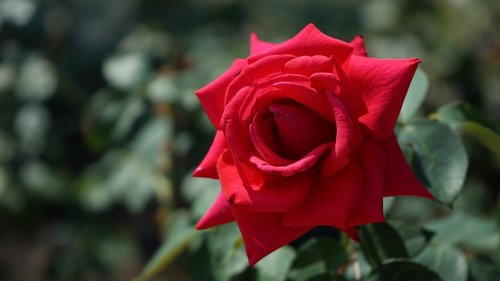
[(100, 130)]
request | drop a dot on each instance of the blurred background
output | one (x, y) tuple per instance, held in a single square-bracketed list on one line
[(100, 128)]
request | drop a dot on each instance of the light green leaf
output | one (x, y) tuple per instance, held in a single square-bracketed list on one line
[(130, 111), (449, 262), (473, 232), (402, 271), (179, 234), (457, 113), (465, 118), (126, 71), (227, 252), (437, 156), (150, 142), (380, 243), (275, 266), (484, 135), (415, 96)]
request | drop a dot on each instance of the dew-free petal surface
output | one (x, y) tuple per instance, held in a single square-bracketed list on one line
[(219, 213), (263, 233), (382, 85), (399, 178), (212, 95)]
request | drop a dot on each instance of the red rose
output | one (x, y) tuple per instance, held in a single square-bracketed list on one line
[(305, 138)]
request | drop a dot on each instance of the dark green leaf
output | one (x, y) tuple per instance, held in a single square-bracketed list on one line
[(275, 266), (415, 96), (414, 237), (318, 257), (437, 156), (402, 271), (180, 232), (484, 270), (447, 261), (380, 242)]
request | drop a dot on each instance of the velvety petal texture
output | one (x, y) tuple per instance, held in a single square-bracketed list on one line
[(305, 138)]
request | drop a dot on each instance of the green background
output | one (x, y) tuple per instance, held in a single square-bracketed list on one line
[(100, 130)]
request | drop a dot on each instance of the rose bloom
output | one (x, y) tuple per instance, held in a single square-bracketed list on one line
[(304, 139)]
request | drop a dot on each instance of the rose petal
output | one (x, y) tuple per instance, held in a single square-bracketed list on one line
[(274, 196), (329, 83), (263, 233), (302, 94), (236, 135), (266, 85), (399, 178), (219, 213), (343, 145), (370, 207), (383, 85), (299, 130), (250, 75), (331, 201), (358, 43), (208, 166), (307, 65), (295, 167), (212, 95), (310, 41), (257, 45), (263, 138)]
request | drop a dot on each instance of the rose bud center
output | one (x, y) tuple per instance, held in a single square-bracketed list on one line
[(296, 130)]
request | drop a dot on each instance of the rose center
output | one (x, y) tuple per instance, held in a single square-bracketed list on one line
[(293, 130)]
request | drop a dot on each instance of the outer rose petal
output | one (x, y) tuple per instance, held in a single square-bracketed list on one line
[(383, 85), (277, 195), (331, 201), (309, 41), (208, 166), (263, 233), (219, 213), (359, 46), (212, 95), (257, 45), (399, 178), (370, 207)]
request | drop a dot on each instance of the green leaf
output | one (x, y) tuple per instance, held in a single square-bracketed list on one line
[(126, 71), (473, 232), (131, 110), (437, 156), (318, 257), (469, 120), (484, 270), (227, 252), (179, 234), (275, 266), (415, 237), (149, 143), (484, 135), (449, 262), (380, 243), (457, 113), (402, 271), (415, 96)]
